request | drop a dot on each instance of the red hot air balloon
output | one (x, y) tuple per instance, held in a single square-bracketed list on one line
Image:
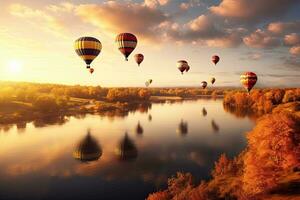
[(139, 58), (215, 59), (248, 80), (126, 43), (91, 70), (203, 84), (182, 65)]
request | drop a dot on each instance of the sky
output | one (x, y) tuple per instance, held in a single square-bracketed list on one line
[(262, 36)]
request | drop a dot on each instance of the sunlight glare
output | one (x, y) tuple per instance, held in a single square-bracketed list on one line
[(15, 66)]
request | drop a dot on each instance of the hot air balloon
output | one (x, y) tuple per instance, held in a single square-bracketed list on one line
[(139, 58), (91, 70), (215, 59), (187, 68), (88, 48), (212, 80), (126, 43), (203, 84), (182, 65), (147, 83), (248, 80)]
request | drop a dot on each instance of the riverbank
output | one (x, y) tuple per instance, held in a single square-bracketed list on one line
[(268, 168)]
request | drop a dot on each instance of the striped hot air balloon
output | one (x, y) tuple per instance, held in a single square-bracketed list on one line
[(126, 43), (248, 80), (88, 48), (139, 58)]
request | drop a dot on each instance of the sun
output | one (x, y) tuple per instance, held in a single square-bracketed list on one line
[(15, 66)]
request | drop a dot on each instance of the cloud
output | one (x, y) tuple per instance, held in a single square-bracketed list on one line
[(118, 17), (47, 22), (155, 3), (261, 39), (252, 56), (295, 50), (284, 27), (252, 11), (190, 4), (205, 32), (292, 39)]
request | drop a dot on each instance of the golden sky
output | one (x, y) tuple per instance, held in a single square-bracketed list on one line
[(36, 41)]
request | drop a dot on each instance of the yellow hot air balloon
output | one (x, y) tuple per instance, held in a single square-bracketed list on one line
[(88, 48)]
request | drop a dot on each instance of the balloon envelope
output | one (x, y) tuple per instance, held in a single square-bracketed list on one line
[(213, 80), (139, 58), (126, 43), (215, 59), (182, 65), (248, 80), (203, 84), (88, 48)]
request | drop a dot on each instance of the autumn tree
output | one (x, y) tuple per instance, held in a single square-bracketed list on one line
[(273, 148)]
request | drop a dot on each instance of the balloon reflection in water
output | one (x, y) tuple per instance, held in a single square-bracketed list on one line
[(139, 129), (150, 118), (215, 126), (126, 149), (87, 149), (182, 128), (204, 112)]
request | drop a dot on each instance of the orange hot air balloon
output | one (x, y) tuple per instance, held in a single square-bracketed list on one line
[(215, 59), (139, 58), (182, 65), (91, 70), (248, 80), (203, 84), (126, 43)]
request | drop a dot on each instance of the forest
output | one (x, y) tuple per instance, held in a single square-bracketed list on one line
[(268, 168)]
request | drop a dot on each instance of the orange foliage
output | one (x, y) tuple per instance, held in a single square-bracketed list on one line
[(273, 148)]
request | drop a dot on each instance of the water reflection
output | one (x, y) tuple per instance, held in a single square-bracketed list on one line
[(126, 149), (182, 128), (42, 157), (204, 112), (45, 120), (215, 126), (88, 149), (139, 129), (149, 117), (241, 112)]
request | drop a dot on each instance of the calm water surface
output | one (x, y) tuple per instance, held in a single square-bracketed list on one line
[(38, 162)]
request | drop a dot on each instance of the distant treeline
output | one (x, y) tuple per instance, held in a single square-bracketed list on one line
[(260, 101), (54, 96)]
